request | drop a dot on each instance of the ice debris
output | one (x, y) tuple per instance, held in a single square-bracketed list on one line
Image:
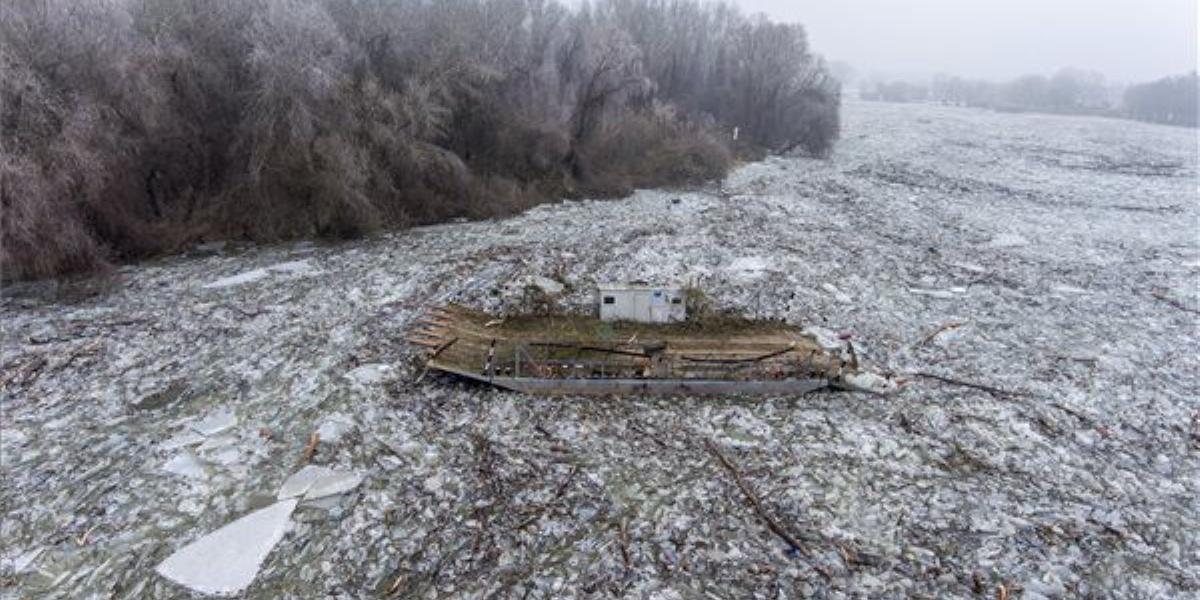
[(949, 294), (371, 374), (297, 267), (547, 285), (215, 423), (869, 382), (827, 339), (300, 481), (1008, 240), (837, 294), (239, 279), (181, 440), (315, 481), (227, 560), (22, 562), (333, 428), (185, 464), (338, 482)]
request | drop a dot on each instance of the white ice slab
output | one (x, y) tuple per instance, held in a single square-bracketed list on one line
[(182, 439), (825, 338), (239, 279), (334, 427), (371, 374), (339, 482), (314, 482), (838, 295), (227, 560), (300, 481), (546, 284), (295, 267), (870, 382), (21, 563), (949, 294), (215, 423), (749, 267), (185, 464), (1008, 240)]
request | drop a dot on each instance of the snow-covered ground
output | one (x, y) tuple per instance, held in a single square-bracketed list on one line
[(1055, 258)]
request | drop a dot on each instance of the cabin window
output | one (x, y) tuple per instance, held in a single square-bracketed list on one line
[(610, 300), (676, 300)]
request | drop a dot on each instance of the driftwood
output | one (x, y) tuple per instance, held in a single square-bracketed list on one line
[(310, 449), (1161, 295), (734, 361), (939, 331), (995, 391), (755, 502)]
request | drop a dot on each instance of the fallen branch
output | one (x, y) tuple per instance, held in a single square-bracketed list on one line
[(83, 539), (310, 449), (752, 497), (623, 538), (249, 314), (436, 352), (734, 361), (541, 509), (995, 391), (939, 331), (1161, 295)]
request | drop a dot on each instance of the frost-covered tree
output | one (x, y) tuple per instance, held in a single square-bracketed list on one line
[(131, 127)]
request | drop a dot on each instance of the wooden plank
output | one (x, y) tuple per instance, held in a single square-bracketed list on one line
[(424, 343)]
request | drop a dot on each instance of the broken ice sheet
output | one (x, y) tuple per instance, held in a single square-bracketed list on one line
[(215, 423), (1008, 240), (22, 562), (227, 560), (869, 382), (314, 482), (300, 481), (334, 427), (939, 294), (828, 340), (185, 464), (370, 374), (181, 440), (338, 482), (239, 279), (295, 267)]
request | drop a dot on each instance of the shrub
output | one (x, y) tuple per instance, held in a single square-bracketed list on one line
[(135, 127)]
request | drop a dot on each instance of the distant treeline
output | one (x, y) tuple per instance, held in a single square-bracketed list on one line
[(135, 127), (1172, 100)]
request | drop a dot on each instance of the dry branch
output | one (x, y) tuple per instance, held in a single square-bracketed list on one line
[(940, 330), (1161, 295), (310, 449), (995, 391), (756, 504)]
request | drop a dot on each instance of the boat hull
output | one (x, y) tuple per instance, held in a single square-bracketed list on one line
[(646, 387)]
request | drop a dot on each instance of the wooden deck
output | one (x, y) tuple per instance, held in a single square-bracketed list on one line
[(571, 354)]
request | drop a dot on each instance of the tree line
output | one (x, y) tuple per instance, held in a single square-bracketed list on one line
[(1171, 100), (136, 127)]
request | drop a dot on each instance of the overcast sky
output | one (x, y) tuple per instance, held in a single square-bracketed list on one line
[(1126, 40)]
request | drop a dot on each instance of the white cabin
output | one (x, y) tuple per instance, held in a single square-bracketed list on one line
[(640, 302)]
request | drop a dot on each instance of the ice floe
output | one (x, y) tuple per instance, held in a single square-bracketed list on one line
[(227, 560), (313, 482), (185, 464), (215, 423)]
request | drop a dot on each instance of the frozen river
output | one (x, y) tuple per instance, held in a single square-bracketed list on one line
[(1053, 260)]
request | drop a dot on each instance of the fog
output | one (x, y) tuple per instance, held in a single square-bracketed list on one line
[(1126, 40)]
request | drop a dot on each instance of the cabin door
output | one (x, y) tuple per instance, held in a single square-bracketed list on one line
[(660, 307)]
